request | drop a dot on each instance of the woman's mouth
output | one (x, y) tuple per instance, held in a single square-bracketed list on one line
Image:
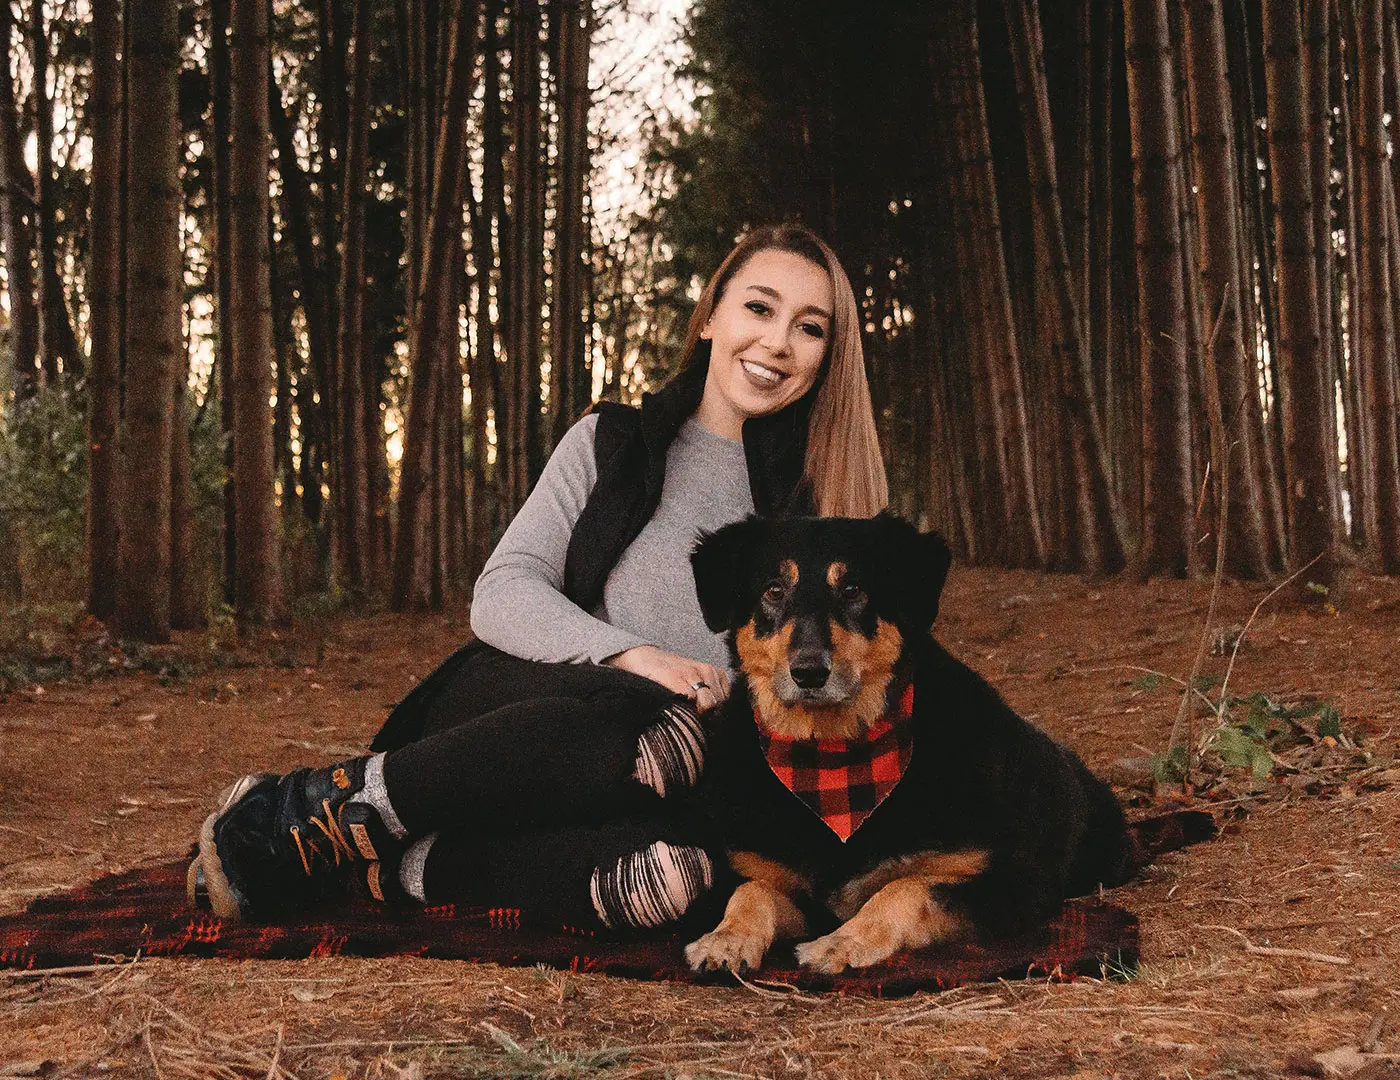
[(762, 376)]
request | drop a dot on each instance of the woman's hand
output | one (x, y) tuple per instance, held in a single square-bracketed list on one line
[(704, 684)]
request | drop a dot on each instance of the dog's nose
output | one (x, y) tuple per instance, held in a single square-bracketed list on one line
[(810, 672)]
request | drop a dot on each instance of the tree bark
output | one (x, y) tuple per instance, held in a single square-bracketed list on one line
[(1098, 543), (1221, 281), (58, 346), (1167, 509), (258, 596), (567, 361), (1301, 398), (104, 321), (154, 339), (16, 205), (1377, 345), (999, 355), (527, 234), (411, 585), (354, 487)]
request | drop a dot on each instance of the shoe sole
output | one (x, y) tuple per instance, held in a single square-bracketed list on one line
[(206, 872)]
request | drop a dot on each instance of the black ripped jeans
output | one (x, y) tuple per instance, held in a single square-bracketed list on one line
[(525, 771)]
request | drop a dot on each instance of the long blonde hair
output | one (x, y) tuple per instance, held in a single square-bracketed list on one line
[(843, 462)]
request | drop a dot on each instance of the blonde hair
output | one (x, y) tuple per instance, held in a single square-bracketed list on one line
[(843, 462)]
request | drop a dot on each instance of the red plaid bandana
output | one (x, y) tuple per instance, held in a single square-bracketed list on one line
[(843, 780)]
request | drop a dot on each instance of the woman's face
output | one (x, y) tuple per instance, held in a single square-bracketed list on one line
[(768, 335)]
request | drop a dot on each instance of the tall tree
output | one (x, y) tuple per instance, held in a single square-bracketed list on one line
[(1098, 540), (1021, 523), (16, 201), (527, 243), (1167, 544), (154, 340), (1221, 282), (412, 580), (104, 321), (354, 486), (221, 93), (1301, 398), (57, 342), (1378, 331), (569, 59), (258, 571)]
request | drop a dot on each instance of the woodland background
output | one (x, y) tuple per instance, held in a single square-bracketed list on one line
[(299, 296)]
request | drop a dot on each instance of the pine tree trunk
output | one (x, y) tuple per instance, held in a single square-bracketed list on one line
[(187, 583), (297, 213), (220, 89), (484, 379), (527, 202), (57, 343), (258, 591), (998, 358), (1301, 400), (354, 489), (1378, 339), (1099, 540), (1316, 77), (1167, 508), (411, 586), (566, 353), (104, 321), (1218, 208), (154, 341), (16, 233), (493, 209)]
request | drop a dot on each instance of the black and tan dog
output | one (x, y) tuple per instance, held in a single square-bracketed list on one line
[(838, 797)]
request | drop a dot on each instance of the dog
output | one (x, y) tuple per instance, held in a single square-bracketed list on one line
[(859, 776)]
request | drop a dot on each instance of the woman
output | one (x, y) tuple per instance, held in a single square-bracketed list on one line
[(532, 770)]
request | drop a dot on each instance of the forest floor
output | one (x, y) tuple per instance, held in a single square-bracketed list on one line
[(1270, 951)]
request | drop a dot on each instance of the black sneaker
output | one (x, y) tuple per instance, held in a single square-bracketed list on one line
[(278, 842)]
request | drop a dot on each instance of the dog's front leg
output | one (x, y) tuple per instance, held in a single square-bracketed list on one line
[(904, 914), (755, 916)]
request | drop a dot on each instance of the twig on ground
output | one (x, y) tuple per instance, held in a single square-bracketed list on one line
[(1270, 950), (150, 1049), (51, 843), (1220, 450), (272, 1070)]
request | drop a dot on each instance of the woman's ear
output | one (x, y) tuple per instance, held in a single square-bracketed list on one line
[(919, 566), (721, 561)]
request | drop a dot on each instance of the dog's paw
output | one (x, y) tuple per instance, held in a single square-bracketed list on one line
[(840, 949), (730, 949)]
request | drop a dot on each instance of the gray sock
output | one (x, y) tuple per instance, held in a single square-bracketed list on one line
[(376, 795), (411, 868)]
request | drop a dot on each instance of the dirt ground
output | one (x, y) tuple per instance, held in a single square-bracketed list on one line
[(1272, 945)]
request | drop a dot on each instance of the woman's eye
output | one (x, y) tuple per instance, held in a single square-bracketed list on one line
[(813, 330), (758, 307)]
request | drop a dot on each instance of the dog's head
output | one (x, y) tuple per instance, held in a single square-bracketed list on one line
[(818, 611)]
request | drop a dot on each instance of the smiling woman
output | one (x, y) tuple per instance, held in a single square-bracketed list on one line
[(535, 768)]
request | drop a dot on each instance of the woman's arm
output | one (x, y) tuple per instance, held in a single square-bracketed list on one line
[(518, 604)]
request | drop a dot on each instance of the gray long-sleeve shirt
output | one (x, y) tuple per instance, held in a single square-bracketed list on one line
[(649, 598)]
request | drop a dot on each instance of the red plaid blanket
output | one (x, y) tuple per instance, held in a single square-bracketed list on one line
[(843, 780), (145, 910)]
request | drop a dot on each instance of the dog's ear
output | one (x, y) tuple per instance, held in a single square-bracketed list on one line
[(919, 568), (721, 561)]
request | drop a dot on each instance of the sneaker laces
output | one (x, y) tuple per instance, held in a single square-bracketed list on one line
[(330, 827)]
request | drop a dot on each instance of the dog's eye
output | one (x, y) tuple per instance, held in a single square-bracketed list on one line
[(774, 592), (850, 592)]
